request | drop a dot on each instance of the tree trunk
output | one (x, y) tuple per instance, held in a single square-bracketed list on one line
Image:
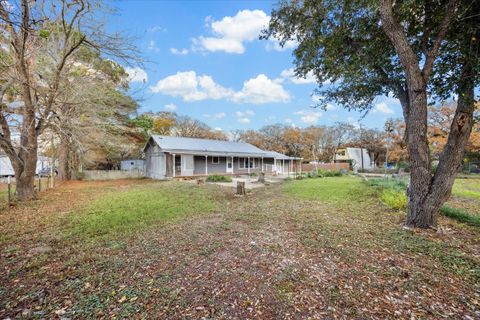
[(25, 177), (64, 172), (427, 193), (421, 176), (423, 212)]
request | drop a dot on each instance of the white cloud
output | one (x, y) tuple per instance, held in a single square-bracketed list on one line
[(243, 116), (230, 33), (218, 129), (330, 106), (170, 107), (309, 117), (215, 116), (382, 107), (244, 120), (316, 98), (274, 44), (180, 52), (261, 90), (219, 115), (191, 87), (240, 114), (153, 46), (156, 29), (290, 75), (136, 74)]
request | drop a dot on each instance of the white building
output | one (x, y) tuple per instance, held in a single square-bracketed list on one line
[(358, 157)]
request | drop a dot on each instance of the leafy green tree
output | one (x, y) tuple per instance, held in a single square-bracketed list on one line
[(417, 51)]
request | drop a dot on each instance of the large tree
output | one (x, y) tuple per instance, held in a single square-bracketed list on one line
[(417, 51), (39, 41)]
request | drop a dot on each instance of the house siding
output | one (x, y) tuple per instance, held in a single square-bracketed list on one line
[(159, 163), (155, 162)]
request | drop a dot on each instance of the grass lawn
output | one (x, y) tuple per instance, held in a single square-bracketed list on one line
[(331, 189), (313, 248), (467, 188), (127, 210)]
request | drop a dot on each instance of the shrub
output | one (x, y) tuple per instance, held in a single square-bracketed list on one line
[(461, 216), (313, 174), (218, 178), (395, 199), (395, 184), (329, 173)]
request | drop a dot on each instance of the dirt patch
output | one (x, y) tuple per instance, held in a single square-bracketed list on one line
[(267, 255)]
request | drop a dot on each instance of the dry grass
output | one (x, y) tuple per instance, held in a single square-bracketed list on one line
[(282, 252)]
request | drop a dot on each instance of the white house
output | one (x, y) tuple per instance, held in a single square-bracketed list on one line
[(358, 157), (179, 157)]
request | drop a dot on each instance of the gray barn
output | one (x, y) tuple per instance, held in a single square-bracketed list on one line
[(183, 157)]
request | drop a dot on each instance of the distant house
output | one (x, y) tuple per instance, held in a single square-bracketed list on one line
[(354, 157), (179, 157), (6, 169), (132, 164)]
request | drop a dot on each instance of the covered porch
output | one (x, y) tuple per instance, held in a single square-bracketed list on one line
[(192, 165)]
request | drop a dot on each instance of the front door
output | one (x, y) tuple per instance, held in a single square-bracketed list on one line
[(229, 165)]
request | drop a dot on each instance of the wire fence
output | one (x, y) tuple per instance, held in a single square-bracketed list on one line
[(8, 188)]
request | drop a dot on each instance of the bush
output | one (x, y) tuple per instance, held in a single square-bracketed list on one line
[(395, 199), (461, 216), (218, 178), (329, 173), (395, 184), (403, 165)]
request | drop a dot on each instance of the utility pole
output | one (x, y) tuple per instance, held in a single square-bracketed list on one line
[(388, 130), (361, 143)]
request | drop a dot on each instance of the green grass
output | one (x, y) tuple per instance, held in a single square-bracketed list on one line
[(461, 216), (467, 188), (218, 178), (340, 233), (331, 189), (131, 209), (394, 199), (395, 184), (391, 192)]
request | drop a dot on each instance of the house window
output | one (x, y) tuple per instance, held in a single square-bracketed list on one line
[(215, 160), (244, 163)]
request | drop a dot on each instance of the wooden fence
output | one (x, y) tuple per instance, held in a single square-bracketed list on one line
[(307, 167)]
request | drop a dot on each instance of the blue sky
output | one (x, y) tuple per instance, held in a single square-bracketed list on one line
[(204, 60)]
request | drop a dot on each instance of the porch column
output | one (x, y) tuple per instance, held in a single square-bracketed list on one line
[(206, 165), (275, 165), (173, 170), (248, 169), (233, 167), (262, 165), (283, 165)]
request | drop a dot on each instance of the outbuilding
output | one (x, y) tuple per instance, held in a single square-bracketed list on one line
[(132, 164)]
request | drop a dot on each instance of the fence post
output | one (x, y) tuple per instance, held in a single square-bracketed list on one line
[(39, 183), (9, 191)]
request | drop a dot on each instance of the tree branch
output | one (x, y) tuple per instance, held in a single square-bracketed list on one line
[(431, 55), (395, 33)]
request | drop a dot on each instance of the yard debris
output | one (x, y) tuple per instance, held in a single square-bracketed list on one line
[(40, 250), (267, 256)]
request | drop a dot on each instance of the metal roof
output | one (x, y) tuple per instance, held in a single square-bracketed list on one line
[(212, 147), (281, 156)]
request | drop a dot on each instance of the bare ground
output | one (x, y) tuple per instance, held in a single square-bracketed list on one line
[(264, 256)]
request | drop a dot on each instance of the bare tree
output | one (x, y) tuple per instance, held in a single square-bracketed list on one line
[(40, 39)]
